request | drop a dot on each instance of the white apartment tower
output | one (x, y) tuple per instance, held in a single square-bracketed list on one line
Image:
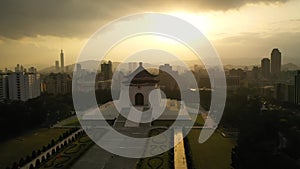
[(18, 88)]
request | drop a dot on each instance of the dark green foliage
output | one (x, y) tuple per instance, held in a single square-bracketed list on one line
[(33, 154), (258, 144), (39, 112)]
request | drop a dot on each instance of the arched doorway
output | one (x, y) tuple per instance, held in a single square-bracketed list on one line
[(139, 99)]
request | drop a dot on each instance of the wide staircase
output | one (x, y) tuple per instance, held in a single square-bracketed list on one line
[(122, 121)]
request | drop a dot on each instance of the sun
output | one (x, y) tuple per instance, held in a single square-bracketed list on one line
[(201, 21)]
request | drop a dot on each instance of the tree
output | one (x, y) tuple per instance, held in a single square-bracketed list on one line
[(21, 162), (33, 154), (258, 141)]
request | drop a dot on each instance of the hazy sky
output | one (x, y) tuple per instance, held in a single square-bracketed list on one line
[(32, 32)]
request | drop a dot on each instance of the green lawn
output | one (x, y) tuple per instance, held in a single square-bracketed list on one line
[(14, 149), (72, 122), (215, 153)]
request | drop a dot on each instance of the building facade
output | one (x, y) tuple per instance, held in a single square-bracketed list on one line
[(297, 88), (265, 67), (56, 66), (275, 62), (167, 77), (3, 87), (106, 70), (34, 85), (140, 83), (18, 87), (58, 83), (62, 61)]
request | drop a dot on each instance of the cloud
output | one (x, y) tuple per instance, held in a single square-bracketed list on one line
[(255, 46), (75, 18)]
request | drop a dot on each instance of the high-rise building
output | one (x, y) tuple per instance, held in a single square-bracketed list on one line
[(106, 70), (291, 93), (18, 88), (275, 62), (18, 68), (32, 70), (23, 86), (3, 87), (237, 72), (62, 60), (233, 82), (265, 67), (167, 77), (33, 81), (166, 68), (56, 66), (282, 92), (297, 88), (255, 72), (58, 83)]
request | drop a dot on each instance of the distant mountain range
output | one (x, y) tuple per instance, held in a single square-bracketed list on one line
[(284, 67), (289, 66), (94, 64), (84, 65)]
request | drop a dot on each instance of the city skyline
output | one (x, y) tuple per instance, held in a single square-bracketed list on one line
[(59, 66), (134, 84)]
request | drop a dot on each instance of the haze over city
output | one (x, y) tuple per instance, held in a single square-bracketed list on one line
[(33, 32), (135, 84)]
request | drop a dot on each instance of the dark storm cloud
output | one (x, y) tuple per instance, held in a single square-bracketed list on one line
[(76, 18)]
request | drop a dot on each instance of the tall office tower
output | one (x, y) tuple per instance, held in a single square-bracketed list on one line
[(275, 62), (106, 70), (56, 66), (3, 87), (62, 61), (297, 88), (265, 67), (18, 87)]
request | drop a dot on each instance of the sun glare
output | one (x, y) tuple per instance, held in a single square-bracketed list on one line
[(200, 21)]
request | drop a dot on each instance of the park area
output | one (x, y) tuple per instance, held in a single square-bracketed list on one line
[(13, 150), (214, 153), (164, 160), (68, 155)]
